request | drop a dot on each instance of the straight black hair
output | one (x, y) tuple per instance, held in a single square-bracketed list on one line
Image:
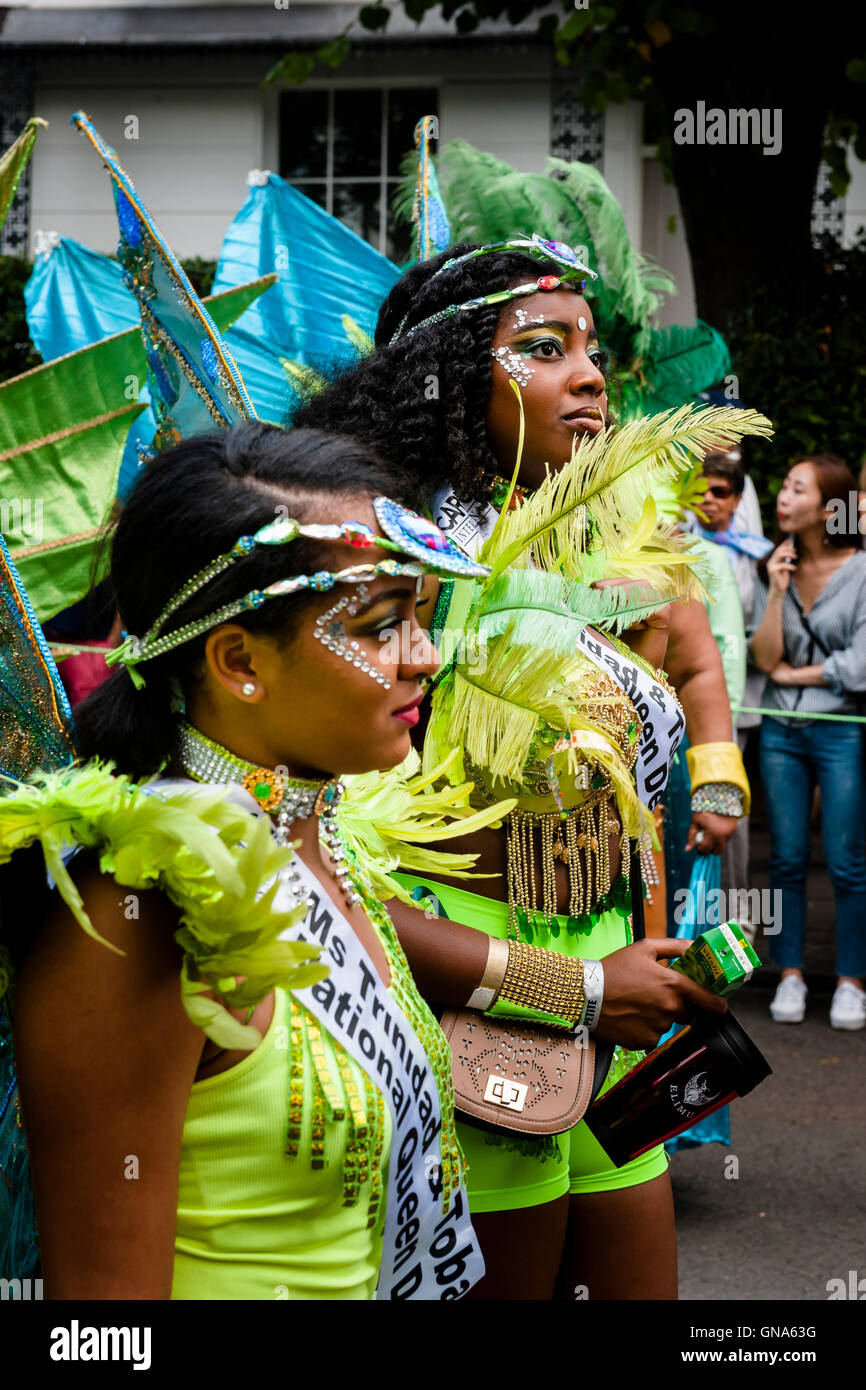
[(191, 504)]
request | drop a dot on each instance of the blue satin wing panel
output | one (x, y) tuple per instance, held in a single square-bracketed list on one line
[(325, 271)]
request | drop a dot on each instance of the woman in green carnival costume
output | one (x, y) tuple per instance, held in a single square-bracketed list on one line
[(260, 1161), (186, 1037), (438, 398), (263, 1150)]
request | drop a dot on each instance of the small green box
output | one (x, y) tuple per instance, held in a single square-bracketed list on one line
[(720, 959)]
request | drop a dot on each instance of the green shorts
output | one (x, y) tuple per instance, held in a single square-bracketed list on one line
[(507, 1172)]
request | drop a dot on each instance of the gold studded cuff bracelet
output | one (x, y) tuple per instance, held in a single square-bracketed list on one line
[(541, 986)]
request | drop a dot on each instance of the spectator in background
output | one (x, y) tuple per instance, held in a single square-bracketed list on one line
[(722, 506), (672, 871), (810, 639)]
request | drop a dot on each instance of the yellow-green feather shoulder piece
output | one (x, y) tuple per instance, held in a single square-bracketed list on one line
[(389, 819), (209, 856)]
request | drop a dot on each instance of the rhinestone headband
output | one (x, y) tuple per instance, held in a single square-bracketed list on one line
[(574, 273), (429, 550)]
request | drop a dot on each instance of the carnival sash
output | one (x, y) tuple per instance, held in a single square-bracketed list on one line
[(661, 715), (459, 520), (427, 1254)]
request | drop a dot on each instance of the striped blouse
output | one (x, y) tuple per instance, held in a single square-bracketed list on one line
[(838, 622)]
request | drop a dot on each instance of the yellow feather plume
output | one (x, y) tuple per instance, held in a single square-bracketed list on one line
[(592, 504)]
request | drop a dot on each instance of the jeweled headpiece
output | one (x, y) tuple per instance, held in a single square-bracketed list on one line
[(406, 533), (573, 276)]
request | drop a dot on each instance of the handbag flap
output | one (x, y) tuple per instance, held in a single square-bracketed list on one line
[(517, 1075)]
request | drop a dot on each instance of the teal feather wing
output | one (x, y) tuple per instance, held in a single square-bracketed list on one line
[(683, 361), (632, 286)]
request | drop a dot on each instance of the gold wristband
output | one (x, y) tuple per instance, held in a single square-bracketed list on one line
[(718, 762), (544, 981), (488, 988)]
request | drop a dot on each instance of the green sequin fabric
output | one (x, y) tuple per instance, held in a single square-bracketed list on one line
[(35, 718), (617, 899)]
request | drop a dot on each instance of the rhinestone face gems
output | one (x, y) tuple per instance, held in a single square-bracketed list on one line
[(332, 634), (514, 364), (422, 540), (581, 323)]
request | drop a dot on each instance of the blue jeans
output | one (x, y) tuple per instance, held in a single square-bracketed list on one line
[(794, 756)]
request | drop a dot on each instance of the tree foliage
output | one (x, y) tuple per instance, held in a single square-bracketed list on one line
[(629, 50), (803, 362)]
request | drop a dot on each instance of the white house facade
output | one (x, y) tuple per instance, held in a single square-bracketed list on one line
[(177, 89)]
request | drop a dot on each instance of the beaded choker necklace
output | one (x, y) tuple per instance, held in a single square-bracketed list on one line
[(284, 798), (500, 488)]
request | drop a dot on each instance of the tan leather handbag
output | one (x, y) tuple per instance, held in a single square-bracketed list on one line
[(529, 1077), (519, 1076)]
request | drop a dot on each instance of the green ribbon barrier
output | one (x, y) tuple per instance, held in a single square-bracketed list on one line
[(800, 714)]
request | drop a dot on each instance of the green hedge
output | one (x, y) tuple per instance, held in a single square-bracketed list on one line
[(17, 353)]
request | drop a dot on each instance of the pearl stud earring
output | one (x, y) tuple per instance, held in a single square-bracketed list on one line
[(248, 688)]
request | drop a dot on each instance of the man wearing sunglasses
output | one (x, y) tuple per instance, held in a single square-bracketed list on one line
[(724, 479)]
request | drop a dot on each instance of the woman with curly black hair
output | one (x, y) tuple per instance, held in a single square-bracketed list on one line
[(436, 400), (422, 400)]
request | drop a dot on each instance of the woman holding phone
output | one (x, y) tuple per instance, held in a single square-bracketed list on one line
[(810, 638)]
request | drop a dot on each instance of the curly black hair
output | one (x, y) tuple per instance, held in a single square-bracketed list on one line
[(420, 404)]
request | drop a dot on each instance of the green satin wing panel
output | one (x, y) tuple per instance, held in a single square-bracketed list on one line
[(13, 162), (63, 427), (64, 486)]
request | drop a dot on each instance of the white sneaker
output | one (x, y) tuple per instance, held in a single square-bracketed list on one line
[(848, 1008), (789, 1001)]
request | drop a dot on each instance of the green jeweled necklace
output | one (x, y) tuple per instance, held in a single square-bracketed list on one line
[(284, 798)]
